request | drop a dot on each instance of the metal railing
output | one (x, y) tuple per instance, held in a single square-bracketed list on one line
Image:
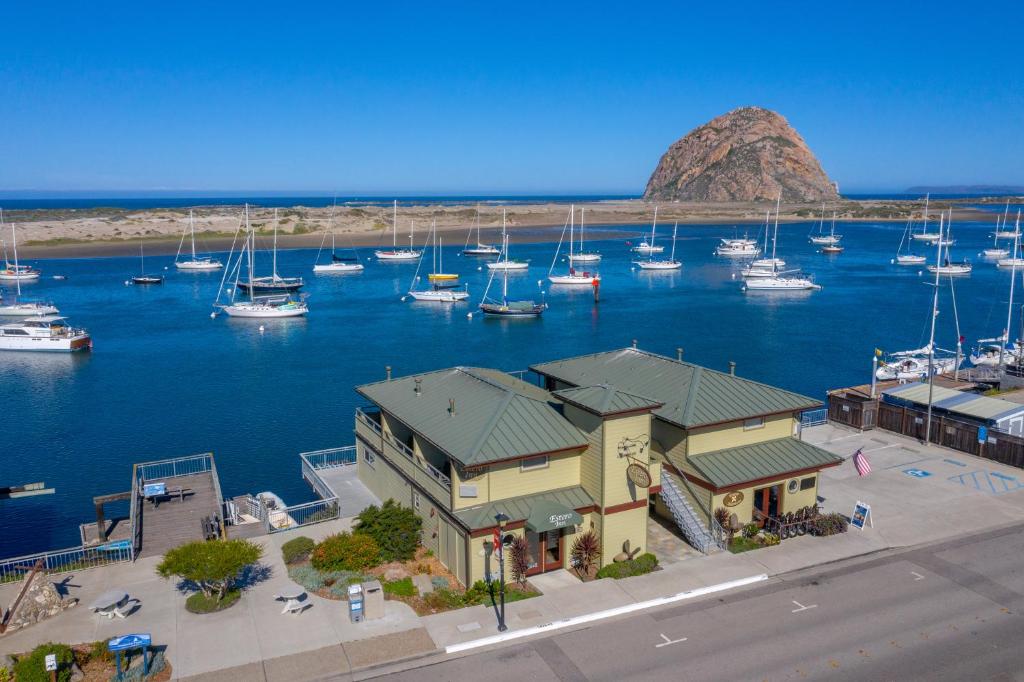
[(330, 457), (300, 515), (428, 468), (64, 560), (178, 466), (813, 417)]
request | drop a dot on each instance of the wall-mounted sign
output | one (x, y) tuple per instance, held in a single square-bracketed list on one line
[(639, 475), (732, 499)]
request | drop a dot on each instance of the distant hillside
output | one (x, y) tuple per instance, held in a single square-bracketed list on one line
[(966, 189), (748, 154)]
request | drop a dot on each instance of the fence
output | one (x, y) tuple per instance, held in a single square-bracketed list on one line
[(63, 560), (851, 409), (178, 466), (813, 417)]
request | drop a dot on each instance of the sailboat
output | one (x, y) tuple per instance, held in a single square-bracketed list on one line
[(480, 249), (15, 272), (924, 235), (583, 256), (907, 258), (504, 262), (833, 246), (443, 288), (274, 284), (999, 351), (196, 263), (17, 307), (338, 264), (505, 307), (943, 266), (267, 306), (646, 247), (764, 267), (142, 277), (996, 251), (1003, 233), (1015, 260), (396, 254), (778, 281), (662, 264), (572, 277), (821, 237)]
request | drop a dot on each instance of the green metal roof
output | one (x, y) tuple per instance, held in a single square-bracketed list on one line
[(519, 508), (691, 395), (770, 459), (496, 417), (604, 399)]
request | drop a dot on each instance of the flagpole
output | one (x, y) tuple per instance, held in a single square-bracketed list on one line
[(931, 339)]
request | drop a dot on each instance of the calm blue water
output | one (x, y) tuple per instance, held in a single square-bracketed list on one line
[(165, 380)]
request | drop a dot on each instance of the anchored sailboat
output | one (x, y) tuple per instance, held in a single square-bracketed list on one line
[(999, 351), (822, 238), (17, 307), (924, 235), (779, 280), (443, 287), (196, 263), (646, 247), (480, 249), (943, 266), (504, 262), (833, 246), (907, 258), (397, 254), (338, 264), (505, 307), (142, 277), (582, 255), (15, 272), (662, 264), (1015, 260), (274, 284), (572, 277)]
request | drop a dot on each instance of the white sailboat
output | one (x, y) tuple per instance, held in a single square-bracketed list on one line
[(396, 254), (833, 246), (504, 262), (266, 306), (907, 258), (441, 289), (338, 264), (582, 255), (645, 247), (17, 307), (944, 266), (996, 251), (1014, 261), (196, 263), (572, 277), (1003, 233), (274, 283), (825, 239), (480, 249), (999, 351), (505, 308), (15, 272), (779, 280), (662, 264), (924, 235), (764, 267)]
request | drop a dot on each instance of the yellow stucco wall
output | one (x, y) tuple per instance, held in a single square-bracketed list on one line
[(711, 438)]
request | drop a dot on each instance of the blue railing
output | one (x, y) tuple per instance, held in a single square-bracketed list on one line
[(813, 417), (64, 560)]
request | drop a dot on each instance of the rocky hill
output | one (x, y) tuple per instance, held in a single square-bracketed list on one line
[(748, 154)]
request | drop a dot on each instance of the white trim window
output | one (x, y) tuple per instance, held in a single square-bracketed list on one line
[(531, 463), (368, 456), (754, 423)]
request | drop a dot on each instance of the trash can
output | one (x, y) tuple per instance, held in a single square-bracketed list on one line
[(355, 603), (373, 599)]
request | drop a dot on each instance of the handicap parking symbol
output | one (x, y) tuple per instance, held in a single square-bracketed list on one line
[(917, 473)]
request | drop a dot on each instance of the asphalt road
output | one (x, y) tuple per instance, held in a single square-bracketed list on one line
[(950, 611)]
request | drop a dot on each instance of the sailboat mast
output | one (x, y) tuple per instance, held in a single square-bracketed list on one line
[(650, 251), (251, 243), (394, 222), (675, 229), (275, 245), (14, 243), (142, 259), (1013, 277), (582, 215), (504, 238), (931, 337), (192, 225), (924, 229), (775, 235), (572, 219), (504, 275)]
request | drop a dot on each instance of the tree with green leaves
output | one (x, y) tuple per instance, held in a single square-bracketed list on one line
[(395, 528), (212, 565)]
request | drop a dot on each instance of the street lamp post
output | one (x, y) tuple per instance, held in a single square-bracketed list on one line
[(501, 519)]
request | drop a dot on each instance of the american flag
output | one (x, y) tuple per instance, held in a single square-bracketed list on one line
[(497, 543), (860, 460)]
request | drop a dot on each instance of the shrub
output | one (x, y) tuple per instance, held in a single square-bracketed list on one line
[(32, 668), (443, 599), (307, 576), (346, 552), (396, 530), (586, 550), (201, 603), (722, 517), (212, 565), (400, 588), (645, 563), (297, 549), (750, 530), (829, 524), (519, 560), (98, 651), (5, 674), (771, 539)]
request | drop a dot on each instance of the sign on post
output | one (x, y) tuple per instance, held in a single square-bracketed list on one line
[(125, 642), (51, 663), (861, 515)]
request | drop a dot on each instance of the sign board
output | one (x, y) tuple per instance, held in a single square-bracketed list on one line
[(861, 515), (125, 642), (982, 434), (51, 662), (638, 474), (732, 499)]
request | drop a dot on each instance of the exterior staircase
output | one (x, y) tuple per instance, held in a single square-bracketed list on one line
[(677, 496)]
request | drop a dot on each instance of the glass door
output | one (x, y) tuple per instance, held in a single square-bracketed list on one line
[(534, 552), (553, 550)]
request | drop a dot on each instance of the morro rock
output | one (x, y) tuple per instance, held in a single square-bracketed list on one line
[(748, 154)]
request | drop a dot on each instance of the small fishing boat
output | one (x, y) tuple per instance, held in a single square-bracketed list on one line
[(582, 255), (480, 249), (504, 263), (396, 254), (45, 333), (662, 264), (142, 277), (195, 263), (573, 277), (508, 308)]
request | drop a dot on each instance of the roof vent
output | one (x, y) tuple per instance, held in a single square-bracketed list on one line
[(634, 344), (416, 387), (387, 371), (732, 368), (679, 354), (451, 407)]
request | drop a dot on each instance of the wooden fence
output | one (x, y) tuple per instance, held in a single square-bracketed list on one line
[(851, 409)]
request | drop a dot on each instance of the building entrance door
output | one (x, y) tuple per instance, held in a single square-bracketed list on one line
[(766, 501), (544, 550)]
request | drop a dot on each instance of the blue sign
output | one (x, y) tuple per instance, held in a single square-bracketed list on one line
[(125, 642), (982, 434), (861, 515), (917, 473)]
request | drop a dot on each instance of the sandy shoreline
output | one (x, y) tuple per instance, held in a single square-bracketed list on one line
[(92, 233)]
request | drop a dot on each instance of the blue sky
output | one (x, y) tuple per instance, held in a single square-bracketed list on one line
[(485, 97)]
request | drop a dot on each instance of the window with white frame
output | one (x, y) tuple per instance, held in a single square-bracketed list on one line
[(755, 423), (531, 463), (368, 456)]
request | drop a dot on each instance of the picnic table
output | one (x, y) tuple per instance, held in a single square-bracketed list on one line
[(107, 603), (154, 492)]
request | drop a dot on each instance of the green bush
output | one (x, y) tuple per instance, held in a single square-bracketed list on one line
[(829, 524), (213, 566), (307, 576), (771, 539), (443, 600), (297, 549), (32, 668), (201, 603), (750, 530), (645, 563), (98, 651), (396, 530), (400, 588), (346, 552)]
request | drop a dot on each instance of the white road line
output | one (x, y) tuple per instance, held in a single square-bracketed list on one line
[(668, 641), (600, 615), (802, 607), (917, 576)]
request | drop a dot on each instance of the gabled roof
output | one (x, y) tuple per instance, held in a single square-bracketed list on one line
[(765, 460), (958, 402), (691, 395), (518, 508), (605, 400), (496, 417)]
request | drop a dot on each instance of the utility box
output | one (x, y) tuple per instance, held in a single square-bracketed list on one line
[(355, 603), (373, 599)]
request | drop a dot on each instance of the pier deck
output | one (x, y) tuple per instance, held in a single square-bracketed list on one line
[(175, 521), (353, 496)]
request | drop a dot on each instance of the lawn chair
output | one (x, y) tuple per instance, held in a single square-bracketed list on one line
[(295, 606)]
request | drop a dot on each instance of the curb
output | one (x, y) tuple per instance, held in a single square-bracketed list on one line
[(600, 615)]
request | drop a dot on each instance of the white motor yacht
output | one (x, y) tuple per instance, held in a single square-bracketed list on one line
[(44, 333)]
